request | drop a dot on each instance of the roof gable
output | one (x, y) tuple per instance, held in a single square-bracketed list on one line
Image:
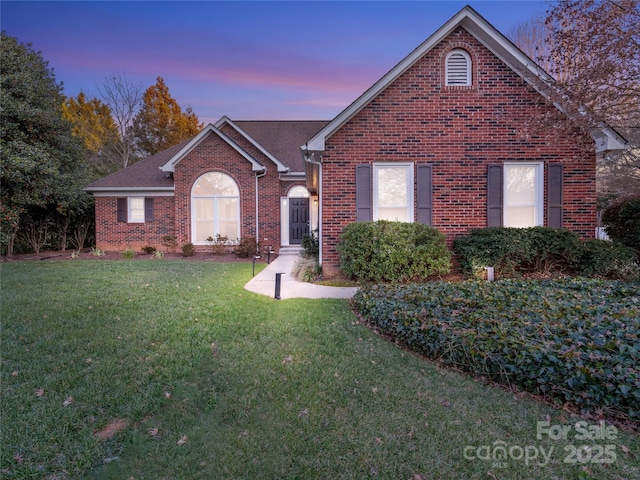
[(278, 140), (493, 40), (170, 165)]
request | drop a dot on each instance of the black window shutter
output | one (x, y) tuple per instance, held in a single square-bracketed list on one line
[(148, 209), (122, 210), (494, 195), (554, 198), (364, 206), (424, 193)]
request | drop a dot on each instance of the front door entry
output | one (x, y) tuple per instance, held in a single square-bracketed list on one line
[(298, 219)]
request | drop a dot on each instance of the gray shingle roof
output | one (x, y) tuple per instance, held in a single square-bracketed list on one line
[(143, 174), (283, 138)]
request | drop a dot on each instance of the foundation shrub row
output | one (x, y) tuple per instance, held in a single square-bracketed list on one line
[(513, 251), (623, 222), (386, 251)]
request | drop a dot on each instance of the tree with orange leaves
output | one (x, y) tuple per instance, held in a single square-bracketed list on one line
[(161, 123)]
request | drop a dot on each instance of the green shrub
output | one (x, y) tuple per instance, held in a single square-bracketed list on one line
[(149, 250), (219, 244), (188, 250), (386, 251), (247, 246), (574, 340), (511, 250), (602, 258), (129, 254), (170, 242), (311, 244), (622, 222)]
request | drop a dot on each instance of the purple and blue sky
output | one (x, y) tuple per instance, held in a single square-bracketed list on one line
[(246, 60)]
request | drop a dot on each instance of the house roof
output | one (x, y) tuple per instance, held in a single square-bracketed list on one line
[(143, 175), (498, 44), (169, 166), (279, 140)]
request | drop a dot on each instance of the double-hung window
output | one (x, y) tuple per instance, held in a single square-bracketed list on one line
[(393, 191), (135, 209), (523, 194)]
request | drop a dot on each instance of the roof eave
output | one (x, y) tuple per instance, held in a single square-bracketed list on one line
[(608, 140), (206, 131), (281, 168), (138, 190)]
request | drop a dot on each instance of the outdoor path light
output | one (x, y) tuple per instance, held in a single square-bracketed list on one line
[(278, 281), (255, 257)]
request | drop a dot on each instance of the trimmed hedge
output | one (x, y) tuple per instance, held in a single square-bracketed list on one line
[(622, 222), (543, 250), (385, 251), (606, 259), (510, 250), (573, 340)]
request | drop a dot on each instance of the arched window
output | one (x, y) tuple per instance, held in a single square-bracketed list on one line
[(298, 192), (458, 68), (215, 208)]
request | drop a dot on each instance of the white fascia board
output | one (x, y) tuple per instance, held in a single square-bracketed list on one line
[(280, 166), (131, 192), (195, 141), (170, 165), (292, 176)]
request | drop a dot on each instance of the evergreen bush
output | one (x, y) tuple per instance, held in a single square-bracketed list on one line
[(622, 222), (385, 251)]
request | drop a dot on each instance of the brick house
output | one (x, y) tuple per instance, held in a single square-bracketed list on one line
[(444, 138), (235, 179)]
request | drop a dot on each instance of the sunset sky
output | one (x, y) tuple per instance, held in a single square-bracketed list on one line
[(247, 60)]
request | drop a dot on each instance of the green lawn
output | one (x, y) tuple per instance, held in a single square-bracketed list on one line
[(169, 369)]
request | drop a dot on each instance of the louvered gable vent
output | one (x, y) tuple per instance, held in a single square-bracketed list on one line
[(458, 68)]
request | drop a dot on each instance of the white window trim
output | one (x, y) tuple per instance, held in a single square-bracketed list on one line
[(410, 189), (130, 209), (467, 57), (216, 216), (539, 217)]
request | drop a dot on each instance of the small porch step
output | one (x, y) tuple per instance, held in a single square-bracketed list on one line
[(290, 250)]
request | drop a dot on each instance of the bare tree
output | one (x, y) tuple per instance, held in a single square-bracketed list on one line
[(124, 99), (592, 49), (595, 52)]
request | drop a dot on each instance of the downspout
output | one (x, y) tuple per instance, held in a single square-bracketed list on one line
[(258, 175), (309, 158)]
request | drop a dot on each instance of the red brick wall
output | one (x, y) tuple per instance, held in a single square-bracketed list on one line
[(460, 130), (112, 235), (213, 154)]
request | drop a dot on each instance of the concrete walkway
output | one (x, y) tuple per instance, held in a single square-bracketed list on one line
[(264, 282)]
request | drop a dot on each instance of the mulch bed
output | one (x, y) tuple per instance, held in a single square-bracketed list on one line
[(86, 254)]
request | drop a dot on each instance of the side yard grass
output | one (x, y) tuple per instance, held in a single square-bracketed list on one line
[(170, 369)]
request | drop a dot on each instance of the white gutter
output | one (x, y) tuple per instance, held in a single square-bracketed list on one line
[(258, 175)]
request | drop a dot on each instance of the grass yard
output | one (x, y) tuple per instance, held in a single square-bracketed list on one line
[(171, 370)]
